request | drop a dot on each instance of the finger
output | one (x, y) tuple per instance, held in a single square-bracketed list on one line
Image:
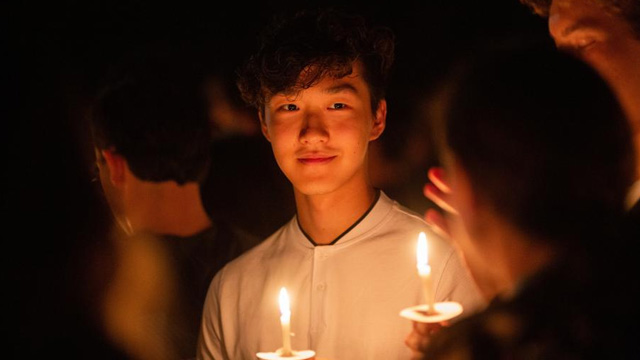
[(426, 329), (420, 328), (439, 198), (437, 223), (416, 342), (437, 176)]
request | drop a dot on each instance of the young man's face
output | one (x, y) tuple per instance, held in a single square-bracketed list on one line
[(603, 40), (320, 135)]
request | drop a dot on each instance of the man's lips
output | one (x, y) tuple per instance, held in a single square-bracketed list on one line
[(316, 159)]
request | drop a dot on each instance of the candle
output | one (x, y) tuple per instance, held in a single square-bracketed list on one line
[(285, 319), (424, 270)]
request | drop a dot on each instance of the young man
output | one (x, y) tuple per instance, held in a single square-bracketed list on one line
[(348, 257), (152, 148), (547, 128)]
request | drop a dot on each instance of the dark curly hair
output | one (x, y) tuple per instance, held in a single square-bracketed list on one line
[(627, 9), (298, 51)]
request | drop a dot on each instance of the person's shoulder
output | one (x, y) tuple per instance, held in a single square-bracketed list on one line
[(243, 239), (408, 214), (401, 212), (405, 218), (250, 259)]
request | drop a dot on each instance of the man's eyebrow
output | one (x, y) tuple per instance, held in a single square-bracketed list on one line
[(289, 94), (340, 88), (579, 25)]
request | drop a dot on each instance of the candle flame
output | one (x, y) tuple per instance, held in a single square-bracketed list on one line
[(423, 253), (284, 302)]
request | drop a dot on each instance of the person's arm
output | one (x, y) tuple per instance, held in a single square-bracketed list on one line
[(210, 340)]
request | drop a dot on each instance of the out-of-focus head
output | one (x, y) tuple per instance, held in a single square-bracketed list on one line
[(155, 117), (299, 51), (151, 119), (606, 35), (542, 141)]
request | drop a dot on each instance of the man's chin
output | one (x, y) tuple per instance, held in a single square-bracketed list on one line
[(314, 188)]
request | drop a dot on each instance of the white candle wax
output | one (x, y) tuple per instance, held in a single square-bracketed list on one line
[(285, 321), (424, 270)]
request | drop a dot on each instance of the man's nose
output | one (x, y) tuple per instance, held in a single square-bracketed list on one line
[(314, 129)]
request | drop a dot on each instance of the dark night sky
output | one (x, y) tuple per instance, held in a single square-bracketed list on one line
[(62, 50), (67, 45)]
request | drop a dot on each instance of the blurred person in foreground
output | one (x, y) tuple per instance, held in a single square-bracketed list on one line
[(540, 159), (604, 34), (347, 257), (152, 141)]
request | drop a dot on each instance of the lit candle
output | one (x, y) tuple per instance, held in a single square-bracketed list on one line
[(424, 270), (285, 319)]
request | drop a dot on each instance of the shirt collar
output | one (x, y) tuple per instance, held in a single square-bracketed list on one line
[(371, 219)]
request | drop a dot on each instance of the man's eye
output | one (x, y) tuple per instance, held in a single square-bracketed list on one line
[(289, 107), (337, 106), (584, 43)]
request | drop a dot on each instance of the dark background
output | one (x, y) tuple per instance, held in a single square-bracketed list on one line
[(60, 53), (56, 56)]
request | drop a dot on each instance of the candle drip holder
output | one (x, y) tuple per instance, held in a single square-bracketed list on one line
[(443, 311), (295, 355)]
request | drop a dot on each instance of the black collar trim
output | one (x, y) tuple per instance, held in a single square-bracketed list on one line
[(375, 201)]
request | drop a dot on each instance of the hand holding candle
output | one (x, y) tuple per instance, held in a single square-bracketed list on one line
[(424, 270), (285, 320), (285, 352), (432, 312)]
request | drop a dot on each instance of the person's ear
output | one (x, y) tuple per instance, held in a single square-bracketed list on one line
[(263, 125), (379, 120), (117, 166)]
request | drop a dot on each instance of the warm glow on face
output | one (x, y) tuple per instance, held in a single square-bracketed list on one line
[(320, 135), (423, 254), (284, 302)]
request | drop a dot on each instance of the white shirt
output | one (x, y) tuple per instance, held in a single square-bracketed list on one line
[(345, 298)]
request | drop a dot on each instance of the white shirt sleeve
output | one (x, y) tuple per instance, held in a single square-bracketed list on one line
[(210, 340), (457, 285)]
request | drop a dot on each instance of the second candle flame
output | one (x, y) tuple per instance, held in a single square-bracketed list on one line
[(423, 255), (285, 320), (284, 302)]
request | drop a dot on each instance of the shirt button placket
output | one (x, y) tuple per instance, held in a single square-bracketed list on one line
[(318, 287)]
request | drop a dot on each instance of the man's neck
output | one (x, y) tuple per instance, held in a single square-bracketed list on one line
[(324, 217), (167, 208)]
